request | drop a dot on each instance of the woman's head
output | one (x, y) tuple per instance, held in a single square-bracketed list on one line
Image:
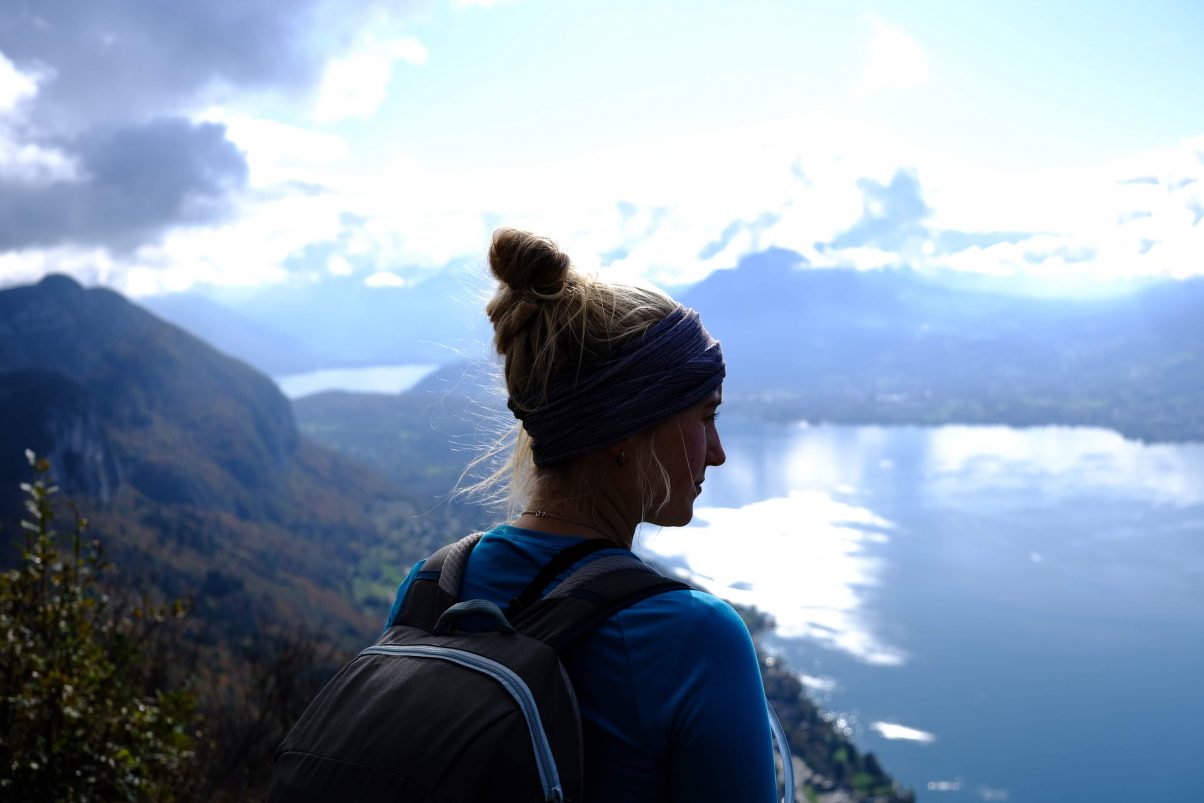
[(592, 366)]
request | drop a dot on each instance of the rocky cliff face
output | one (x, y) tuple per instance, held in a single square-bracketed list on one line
[(57, 418)]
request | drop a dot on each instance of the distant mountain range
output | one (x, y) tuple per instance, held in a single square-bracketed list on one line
[(894, 347), (190, 467)]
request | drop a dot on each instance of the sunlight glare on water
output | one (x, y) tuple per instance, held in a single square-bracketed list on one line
[(802, 558)]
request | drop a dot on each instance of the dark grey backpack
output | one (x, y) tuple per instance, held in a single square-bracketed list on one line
[(430, 714)]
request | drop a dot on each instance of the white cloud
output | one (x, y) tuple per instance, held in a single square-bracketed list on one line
[(409, 50), (895, 60), (337, 265), (384, 278), (17, 87), (276, 151), (355, 85), (250, 250), (647, 212), (21, 161), (88, 265), (33, 164)]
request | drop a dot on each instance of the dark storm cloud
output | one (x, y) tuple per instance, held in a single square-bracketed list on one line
[(892, 214), (117, 78), (137, 180), (122, 59)]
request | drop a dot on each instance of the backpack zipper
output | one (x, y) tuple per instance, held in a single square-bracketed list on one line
[(512, 683)]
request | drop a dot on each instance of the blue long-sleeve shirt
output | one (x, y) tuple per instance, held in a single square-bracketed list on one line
[(672, 704)]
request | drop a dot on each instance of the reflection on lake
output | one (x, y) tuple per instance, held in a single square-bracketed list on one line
[(997, 613), (817, 595), (371, 379)]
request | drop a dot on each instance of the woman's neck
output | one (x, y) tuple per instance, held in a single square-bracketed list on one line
[(560, 519), (587, 502)]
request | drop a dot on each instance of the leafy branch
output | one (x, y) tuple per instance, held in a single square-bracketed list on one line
[(83, 711)]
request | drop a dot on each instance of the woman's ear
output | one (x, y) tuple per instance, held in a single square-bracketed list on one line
[(619, 451)]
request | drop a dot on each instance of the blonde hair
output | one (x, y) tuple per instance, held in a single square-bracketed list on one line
[(550, 319)]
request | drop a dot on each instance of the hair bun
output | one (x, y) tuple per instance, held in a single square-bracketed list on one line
[(528, 263)]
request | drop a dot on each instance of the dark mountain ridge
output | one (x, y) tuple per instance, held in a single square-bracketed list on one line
[(190, 466), (150, 381)]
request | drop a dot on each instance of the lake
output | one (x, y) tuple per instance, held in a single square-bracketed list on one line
[(996, 613), (368, 379)]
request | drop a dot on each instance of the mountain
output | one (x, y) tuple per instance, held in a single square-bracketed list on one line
[(190, 467), (892, 346)]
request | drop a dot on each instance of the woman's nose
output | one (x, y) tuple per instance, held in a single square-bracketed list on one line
[(715, 454)]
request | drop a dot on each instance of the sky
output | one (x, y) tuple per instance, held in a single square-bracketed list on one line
[(158, 147)]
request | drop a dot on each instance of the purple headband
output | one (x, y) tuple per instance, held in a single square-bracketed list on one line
[(673, 365)]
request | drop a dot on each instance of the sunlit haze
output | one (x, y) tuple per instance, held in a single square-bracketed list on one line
[(1056, 147)]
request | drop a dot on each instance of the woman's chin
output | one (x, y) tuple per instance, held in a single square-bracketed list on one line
[(669, 518)]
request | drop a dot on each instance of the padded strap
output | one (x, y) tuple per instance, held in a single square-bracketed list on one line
[(580, 604), (437, 586), (451, 563), (596, 568), (564, 559)]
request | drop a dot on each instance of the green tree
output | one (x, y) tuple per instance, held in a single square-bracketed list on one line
[(85, 708)]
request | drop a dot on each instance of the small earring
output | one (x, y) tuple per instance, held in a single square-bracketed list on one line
[(621, 459)]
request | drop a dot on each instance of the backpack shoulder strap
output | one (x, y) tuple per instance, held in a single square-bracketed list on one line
[(591, 595), (551, 570), (437, 586)]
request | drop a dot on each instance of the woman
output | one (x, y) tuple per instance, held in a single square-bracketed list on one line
[(616, 389)]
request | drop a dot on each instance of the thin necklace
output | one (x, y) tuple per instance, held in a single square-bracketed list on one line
[(543, 514)]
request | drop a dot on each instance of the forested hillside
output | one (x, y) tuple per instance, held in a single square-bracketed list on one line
[(191, 463), (196, 486)]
